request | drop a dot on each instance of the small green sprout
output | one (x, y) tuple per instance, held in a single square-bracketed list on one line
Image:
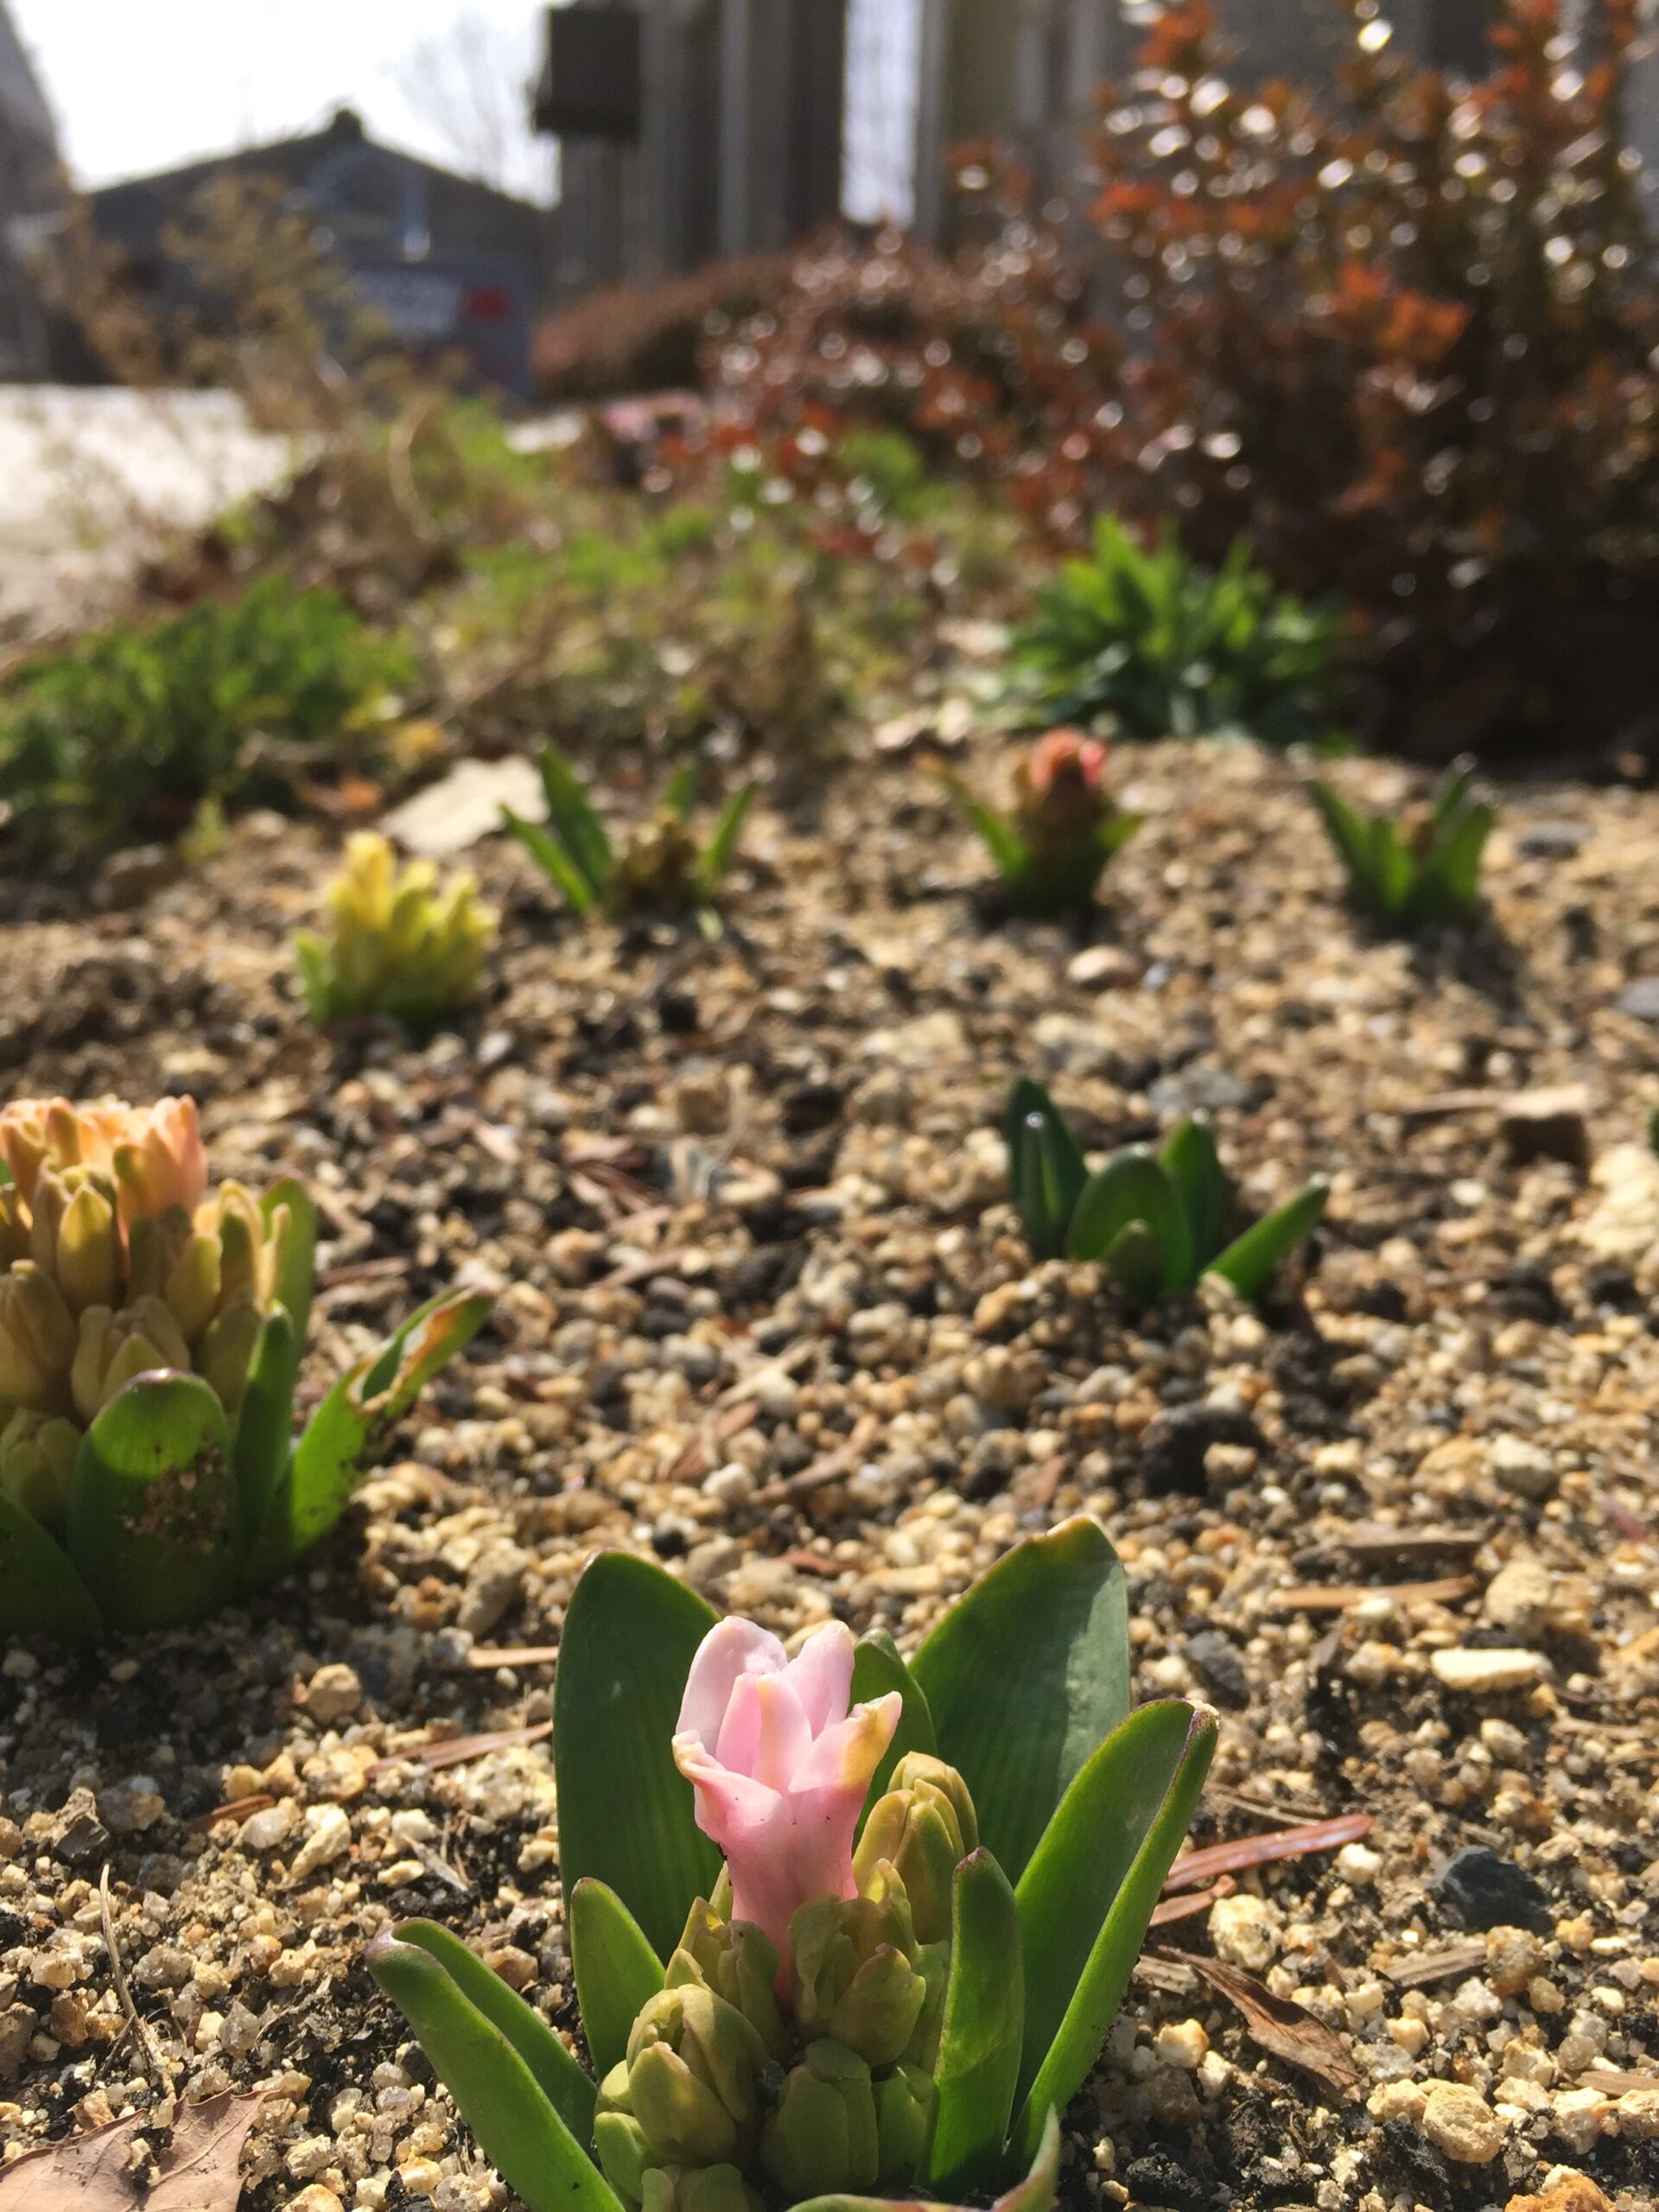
[(661, 869), (1158, 1221), (1420, 868)]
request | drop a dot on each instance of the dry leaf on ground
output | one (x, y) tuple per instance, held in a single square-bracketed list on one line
[(1287, 2030), (109, 2170)]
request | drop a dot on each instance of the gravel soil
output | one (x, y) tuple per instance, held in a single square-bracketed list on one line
[(765, 1313)]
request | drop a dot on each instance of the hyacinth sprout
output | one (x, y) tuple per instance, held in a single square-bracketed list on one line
[(399, 942), (1053, 845), (151, 1327), (844, 1926)]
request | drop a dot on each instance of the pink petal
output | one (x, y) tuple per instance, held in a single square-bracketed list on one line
[(733, 1649), (785, 1735), (821, 1673), (845, 1756)]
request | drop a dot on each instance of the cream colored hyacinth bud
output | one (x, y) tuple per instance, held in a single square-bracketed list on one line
[(224, 1354), (37, 1341), (75, 1237), (37, 1457), (171, 1259), (115, 1347)]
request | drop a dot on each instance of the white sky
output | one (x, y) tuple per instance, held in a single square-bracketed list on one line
[(141, 85), (144, 85)]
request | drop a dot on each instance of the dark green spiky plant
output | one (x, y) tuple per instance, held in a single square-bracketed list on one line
[(150, 1336), (661, 870), (1157, 1220), (1417, 869), (1165, 648), (918, 2031)]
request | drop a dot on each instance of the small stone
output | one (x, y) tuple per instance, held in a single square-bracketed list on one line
[(265, 1831), (333, 1693), (1518, 1597), (1218, 1660), (330, 1839), (1457, 2120), (1551, 841), (420, 2177), (129, 878), (1514, 1955), (1563, 2192), (1640, 999), (132, 1806), (1244, 1931), (315, 2196), (1182, 2043), (730, 1485), (1522, 1468), (1581, 2117), (1359, 1865), (1478, 1672), (494, 1586), (1173, 1448), (77, 1836), (1103, 967), (1547, 1124), (17, 2026), (1486, 1890)]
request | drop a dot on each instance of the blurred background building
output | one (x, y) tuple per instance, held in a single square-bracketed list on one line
[(30, 193)]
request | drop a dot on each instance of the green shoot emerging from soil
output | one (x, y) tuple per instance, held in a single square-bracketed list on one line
[(1418, 869), (1158, 1221), (661, 870)]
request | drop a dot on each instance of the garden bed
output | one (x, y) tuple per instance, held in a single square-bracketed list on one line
[(765, 1313)]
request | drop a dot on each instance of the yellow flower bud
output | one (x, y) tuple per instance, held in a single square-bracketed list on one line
[(37, 1341), (37, 1457), (114, 1347)]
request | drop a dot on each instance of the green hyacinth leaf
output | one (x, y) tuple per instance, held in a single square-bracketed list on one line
[(1047, 1171), (1134, 1191), (1251, 1261), (1026, 1676), (717, 855), (515, 2103), (325, 1468), (153, 1520), (1101, 1869), (1078, 1871), (630, 1633), (1351, 833), (40, 1590), (553, 860), (617, 1971), (1193, 1165), (297, 1278), (574, 820), (878, 1668), (978, 2066), (1036, 2193), (265, 1421)]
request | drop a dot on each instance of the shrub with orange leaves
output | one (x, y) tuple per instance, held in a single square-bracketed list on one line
[(1404, 341)]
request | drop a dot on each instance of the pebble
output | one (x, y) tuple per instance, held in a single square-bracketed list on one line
[(329, 1838), (1522, 1468), (1518, 1597), (1487, 1891), (1457, 2120), (1245, 1931), (315, 2196), (333, 1693), (1477, 1672)]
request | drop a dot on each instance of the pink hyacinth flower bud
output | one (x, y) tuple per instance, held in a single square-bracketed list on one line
[(1065, 753), (780, 1767)]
